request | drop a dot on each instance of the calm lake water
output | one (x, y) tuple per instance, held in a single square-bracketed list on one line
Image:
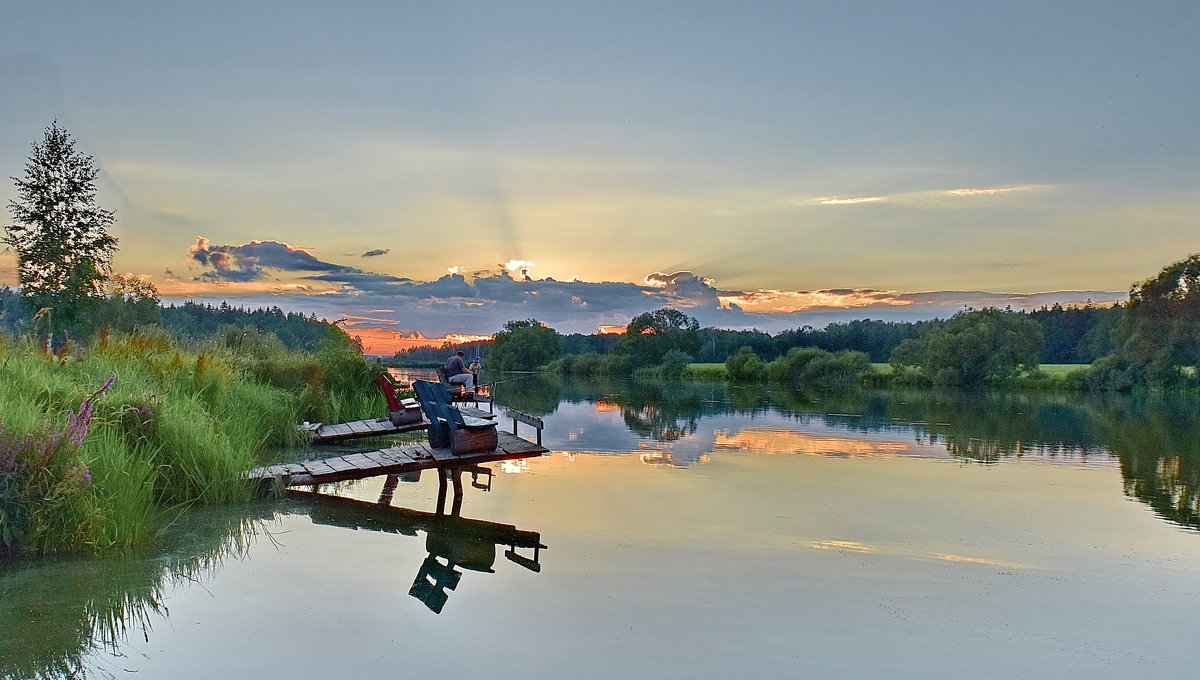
[(690, 531)]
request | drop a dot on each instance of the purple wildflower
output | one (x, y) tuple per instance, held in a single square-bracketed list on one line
[(77, 423), (49, 445)]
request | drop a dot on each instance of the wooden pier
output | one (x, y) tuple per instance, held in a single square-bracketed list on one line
[(390, 461)]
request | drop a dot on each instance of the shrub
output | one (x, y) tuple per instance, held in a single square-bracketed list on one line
[(674, 363), (744, 365), (815, 368)]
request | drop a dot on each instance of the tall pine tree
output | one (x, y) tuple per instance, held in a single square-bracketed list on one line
[(61, 238)]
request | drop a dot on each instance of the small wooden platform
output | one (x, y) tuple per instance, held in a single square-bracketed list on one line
[(392, 460), (376, 427), (320, 433)]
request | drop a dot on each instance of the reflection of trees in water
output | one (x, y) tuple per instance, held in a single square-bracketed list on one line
[(1158, 440), (658, 410), (534, 393), (988, 427), (1156, 437), (661, 415), (55, 612)]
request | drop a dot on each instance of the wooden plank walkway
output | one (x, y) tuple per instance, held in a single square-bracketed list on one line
[(392, 460), (375, 427)]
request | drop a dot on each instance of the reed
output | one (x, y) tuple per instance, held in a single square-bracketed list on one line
[(177, 426)]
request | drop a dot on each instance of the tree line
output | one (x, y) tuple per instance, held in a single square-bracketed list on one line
[(1068, 335), (1151, 340)]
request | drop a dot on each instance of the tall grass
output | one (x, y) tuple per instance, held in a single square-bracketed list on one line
[(178, 426)]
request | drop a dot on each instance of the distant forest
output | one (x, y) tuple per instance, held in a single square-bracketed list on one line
[(189, 322), (1072, 335)]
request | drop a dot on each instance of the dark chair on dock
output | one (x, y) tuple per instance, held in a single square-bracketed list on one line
[(448, 427)]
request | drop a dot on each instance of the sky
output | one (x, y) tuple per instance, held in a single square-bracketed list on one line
[(422, 169)]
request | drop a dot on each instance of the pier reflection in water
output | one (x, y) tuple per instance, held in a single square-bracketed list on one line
[(453, 542)]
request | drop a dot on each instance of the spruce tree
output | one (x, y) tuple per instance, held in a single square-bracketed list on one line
[(64, 251)]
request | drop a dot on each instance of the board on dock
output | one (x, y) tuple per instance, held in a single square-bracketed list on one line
[(375, 427), (392, 460), (319, 433)]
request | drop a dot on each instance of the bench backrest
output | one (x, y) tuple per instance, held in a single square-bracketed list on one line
[(431, 397), (389, 393)]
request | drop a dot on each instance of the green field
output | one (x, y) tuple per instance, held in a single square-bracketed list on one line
[(714, 370), (1061, 370), (707, 371)]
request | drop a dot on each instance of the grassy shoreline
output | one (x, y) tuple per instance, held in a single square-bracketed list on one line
[(81, 470)]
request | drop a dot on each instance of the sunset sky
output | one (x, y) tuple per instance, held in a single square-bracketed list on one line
[(443, 167)]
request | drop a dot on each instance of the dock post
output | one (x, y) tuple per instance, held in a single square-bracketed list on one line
[(456, 476), (389, 488), (441, 502)]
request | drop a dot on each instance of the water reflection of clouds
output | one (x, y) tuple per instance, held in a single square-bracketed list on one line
[(667, 459), (601, 428), (857, 548), (777, 441), (515, 466)]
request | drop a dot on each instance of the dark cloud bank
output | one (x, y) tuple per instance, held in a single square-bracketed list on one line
[(481, 304)]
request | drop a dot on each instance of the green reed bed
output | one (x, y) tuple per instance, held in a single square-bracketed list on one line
[(83, 467)]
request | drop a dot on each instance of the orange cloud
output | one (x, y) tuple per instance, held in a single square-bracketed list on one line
[(388, 341), (786, 301)]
